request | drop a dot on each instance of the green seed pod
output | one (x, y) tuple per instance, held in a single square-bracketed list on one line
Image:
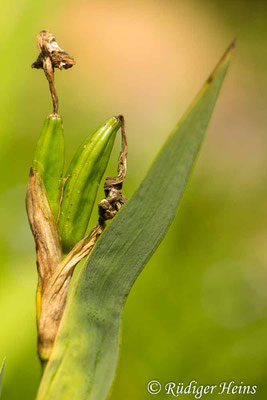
[(83, 178), (49, 159)]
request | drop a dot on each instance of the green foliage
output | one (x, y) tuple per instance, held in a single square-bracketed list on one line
[(84, 358), (1, 375)]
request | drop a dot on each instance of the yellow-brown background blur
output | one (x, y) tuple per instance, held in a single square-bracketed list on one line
[(199, 309)]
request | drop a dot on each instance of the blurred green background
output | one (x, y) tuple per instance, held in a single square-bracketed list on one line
[(199, 309)]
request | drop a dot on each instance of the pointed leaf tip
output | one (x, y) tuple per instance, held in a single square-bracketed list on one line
[(229, 49), (224, 59)]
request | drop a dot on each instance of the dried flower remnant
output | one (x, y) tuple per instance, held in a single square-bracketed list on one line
[(51, 56)]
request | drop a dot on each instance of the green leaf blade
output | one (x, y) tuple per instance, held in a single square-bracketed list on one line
[(2, 375), (84, 358)]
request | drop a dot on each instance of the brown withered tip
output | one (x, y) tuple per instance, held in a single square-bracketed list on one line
[(230, 47), (31, 172), (120, 118), (51, 56), (48, 47), (223, 58)]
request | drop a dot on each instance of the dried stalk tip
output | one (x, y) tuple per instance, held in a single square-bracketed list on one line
[(51, 56)]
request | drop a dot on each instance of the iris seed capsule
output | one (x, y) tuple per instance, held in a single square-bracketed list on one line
[(49, 159), (83, 178)]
